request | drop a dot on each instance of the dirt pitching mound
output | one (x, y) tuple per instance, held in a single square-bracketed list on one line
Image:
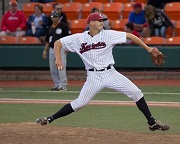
[(31, 133)]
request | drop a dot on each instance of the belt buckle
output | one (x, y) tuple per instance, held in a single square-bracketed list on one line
[(94, 69), (109, 67)]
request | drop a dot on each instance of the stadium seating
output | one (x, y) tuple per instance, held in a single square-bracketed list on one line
[(28, 8), (72, 10), (81, 1), (118, 24), (117, 12), (154, 40), (123, 1), (170, 32), (178, 28), (127, 8), (29, 40), (113, 10), (102, 1), (86, 8), (78, 25), (173, 10), (48, 8), (62, 1), (8, 40), (173, 40)]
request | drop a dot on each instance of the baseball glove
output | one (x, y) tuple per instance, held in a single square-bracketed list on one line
[(157, 57)]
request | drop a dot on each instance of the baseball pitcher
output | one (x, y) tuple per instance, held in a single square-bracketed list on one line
[(95, 49)]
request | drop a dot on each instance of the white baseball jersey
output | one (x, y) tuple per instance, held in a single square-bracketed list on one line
[(96, 51)]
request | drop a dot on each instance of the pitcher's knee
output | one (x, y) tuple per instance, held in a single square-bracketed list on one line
[(77, 104), (137, 95)]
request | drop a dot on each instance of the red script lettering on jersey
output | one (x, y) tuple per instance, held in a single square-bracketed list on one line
[(87, 47)]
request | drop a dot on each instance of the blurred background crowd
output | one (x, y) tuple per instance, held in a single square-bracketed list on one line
[(143, 18)]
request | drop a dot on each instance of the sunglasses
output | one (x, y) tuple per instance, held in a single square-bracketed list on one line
[(59, 8)]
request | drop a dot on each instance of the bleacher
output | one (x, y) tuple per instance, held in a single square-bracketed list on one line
[(117, 12)]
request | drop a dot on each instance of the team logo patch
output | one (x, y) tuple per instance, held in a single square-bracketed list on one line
[(86, 47), (58, 31)]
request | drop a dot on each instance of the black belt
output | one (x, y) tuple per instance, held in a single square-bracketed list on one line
[(93, 69)]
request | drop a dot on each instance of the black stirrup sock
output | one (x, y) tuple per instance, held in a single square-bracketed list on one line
[(66, 110), (143, 107)]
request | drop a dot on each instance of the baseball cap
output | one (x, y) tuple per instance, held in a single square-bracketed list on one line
[(137, 4), (94, 17), (12, 2), (54, 14)]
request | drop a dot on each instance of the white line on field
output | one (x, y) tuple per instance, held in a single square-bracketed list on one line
[(28, 91), (95, 102), (16, 99)]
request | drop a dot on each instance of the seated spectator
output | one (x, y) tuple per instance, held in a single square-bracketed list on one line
[(62, 16), (129, 28), (158, 21), (106, 23), (14, 21), (38, 20), (42, 1), (137, 17)]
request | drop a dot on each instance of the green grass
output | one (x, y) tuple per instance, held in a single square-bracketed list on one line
[(121, 118), (106, 117), (45, 93)]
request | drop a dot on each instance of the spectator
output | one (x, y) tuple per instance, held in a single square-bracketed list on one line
[(38, 20), (62, 16), (14, 21), (158, 21), (106, 23), (137, 17), (56, 31), (42, 1), (129, 28)]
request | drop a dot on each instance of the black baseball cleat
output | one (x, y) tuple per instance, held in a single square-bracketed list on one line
[(159, 126), (42, 121)]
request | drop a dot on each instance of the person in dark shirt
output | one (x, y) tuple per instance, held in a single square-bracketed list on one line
[(62, 16), (57, 30), (158, 21)]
